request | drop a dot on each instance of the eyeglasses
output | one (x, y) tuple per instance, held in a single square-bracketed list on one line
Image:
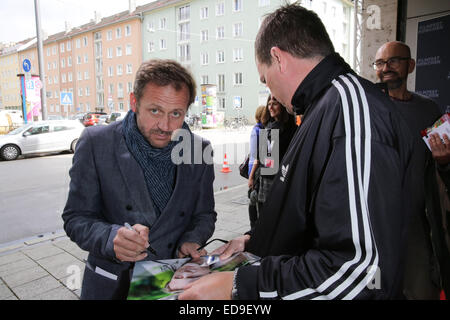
[(393, 62)]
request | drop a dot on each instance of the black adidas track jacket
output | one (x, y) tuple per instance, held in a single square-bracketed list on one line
[(334, 223)]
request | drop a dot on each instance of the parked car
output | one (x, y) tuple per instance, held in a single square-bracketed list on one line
[(41, 137), (91, 118), (102, 120), (116, 116)]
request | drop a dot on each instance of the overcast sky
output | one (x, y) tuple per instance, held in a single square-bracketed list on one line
[(17, 18)]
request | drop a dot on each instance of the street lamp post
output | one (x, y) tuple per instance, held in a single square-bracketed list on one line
[(37, 11)]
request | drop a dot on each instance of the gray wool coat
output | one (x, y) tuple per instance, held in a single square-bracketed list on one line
[(108, 188)]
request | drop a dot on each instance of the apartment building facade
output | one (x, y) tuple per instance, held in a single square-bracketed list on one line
[(98, 61), (215, 40)]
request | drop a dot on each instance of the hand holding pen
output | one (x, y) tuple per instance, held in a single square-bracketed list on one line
[(131, 243)]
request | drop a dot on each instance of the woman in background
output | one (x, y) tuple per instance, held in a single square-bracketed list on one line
[(274, 117), (253, 172)]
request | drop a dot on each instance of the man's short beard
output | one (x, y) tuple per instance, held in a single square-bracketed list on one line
[(394, 84)]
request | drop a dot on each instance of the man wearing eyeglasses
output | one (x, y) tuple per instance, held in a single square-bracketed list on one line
[(428, 262)]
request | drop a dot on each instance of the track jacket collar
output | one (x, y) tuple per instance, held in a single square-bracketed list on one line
[(317, 80)]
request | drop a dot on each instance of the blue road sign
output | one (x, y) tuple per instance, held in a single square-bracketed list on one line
[(66, 98), (26, 65)]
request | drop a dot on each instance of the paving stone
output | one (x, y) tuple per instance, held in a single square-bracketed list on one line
[(58, 265), (60, 293), (5, 292), (25, 276), (36, 288), (16, 266), (42, 251), (12, 257)]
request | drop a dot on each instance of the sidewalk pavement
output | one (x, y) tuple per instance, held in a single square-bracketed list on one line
[(44, 268)]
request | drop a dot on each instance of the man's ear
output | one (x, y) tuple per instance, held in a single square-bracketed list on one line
[(133, 102), (278, 58), (411, 65)]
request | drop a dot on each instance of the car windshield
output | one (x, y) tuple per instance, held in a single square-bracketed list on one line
[(19, 130)]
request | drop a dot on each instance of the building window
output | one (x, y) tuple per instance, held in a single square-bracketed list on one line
[(129, 68), (130, 87), (238, 78), (118, 33), (220, 34), (110, 71), (162, 23), (118, 51), (86, 59), (162, 44), (204, 58), (238, 54), (237, 29), (79, 76), (63, 63), (85, 41), (69, 61), (86, 75), (204, 13), (109, 35), (264, 3), (88, 91), (184, 53), (69, 45), (184, 31), (111, 88), (128, 50), (127, 31), (63, 78), (119, 90), (221, 103), (220, 8), (119, 69), (80, 92), (70, 75), (184, 13), (151, 46), (109, 53), (78, 43), (204, 80), (220, 56), (204, 35), (221, 83), (78, 59), (61, 47), (150, 26), (237, 5)]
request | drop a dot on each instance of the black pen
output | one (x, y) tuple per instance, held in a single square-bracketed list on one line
[(127, 225)]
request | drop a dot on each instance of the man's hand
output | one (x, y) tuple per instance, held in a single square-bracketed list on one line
[(190, 249), (235, 245), (440, 150), (130, 245), (214, 286)]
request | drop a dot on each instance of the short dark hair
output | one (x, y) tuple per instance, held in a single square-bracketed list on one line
[(163, 73), (295, 30)]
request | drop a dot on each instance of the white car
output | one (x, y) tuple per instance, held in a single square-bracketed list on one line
[(41, 137)]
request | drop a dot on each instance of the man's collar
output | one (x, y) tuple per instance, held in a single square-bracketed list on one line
[(317, 80)]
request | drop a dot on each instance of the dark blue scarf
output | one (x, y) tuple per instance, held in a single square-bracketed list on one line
[(159, 170)]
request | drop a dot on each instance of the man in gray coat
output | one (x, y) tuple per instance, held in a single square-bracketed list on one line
[(125, 173)]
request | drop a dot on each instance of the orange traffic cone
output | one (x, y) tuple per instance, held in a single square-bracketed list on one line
[(225, 167)]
